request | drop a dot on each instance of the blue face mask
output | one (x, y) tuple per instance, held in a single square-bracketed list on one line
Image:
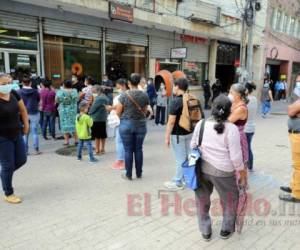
[(6, 89)]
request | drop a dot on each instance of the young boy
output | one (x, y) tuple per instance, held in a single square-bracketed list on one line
[(84, 124)]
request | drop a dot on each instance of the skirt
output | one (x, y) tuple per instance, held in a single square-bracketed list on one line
[(99, 130)]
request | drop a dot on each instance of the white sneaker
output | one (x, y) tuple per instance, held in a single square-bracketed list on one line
[(172, 185)]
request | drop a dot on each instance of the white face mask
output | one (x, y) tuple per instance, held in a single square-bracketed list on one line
[(230, 97), (297, 89), (6, 89)]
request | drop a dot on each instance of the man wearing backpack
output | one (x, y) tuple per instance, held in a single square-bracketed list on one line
[(185, 111)]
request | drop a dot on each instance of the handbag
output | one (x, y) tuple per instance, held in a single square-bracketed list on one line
[(113, 120), (191, 167)]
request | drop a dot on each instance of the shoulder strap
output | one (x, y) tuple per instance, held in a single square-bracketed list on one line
[(135, 103), (201, 132)]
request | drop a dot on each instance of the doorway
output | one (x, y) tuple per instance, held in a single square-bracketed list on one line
[(226, 75), (18, 63)]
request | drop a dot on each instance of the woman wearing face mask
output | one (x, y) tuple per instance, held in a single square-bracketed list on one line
[(294, 133), (239, 115), (250, 125), (12, 147), (121, 86), (161, 105)]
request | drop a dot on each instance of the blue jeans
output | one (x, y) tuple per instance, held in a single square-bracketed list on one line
[(12, 157), (119, 146), (181, 148), (249, 140), (34, 124), (266, 107), (49, 120), (133, 134), (160, 115), (89, 148)]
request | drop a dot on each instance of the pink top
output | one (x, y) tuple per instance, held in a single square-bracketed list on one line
[(223, 151)]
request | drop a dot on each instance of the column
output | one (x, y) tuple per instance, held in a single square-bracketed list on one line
[(212, 61)]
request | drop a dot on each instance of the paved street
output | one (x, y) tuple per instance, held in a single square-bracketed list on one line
[(75, 205)]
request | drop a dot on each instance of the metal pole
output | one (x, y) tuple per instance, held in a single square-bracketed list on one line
[(103, 52), (250, 44), (243, 51), (41, 47)]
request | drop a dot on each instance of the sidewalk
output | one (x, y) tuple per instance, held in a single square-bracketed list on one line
[(75, 205)]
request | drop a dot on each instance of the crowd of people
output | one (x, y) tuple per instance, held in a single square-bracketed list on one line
[(85, 110)]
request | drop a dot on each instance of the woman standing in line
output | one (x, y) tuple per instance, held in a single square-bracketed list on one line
[(121, 86), (12, 147), (67, 98), (250, 125), (239, 115), (221, 159), (132, 109)]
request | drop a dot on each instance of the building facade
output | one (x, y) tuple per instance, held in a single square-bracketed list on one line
[(282, 41), (55, 39)]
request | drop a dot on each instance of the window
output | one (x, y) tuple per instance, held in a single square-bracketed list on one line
[(298, 31), (124, 59), (285, 24), (62, 52), (15, 39), (278, 20), (292, 26), (146, 4), (272, 18), (195, 72)]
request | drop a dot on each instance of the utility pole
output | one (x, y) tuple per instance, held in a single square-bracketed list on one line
[(248, 30)]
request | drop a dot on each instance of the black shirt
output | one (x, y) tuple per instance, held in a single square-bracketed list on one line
[(79, 86), (176, 107), (9, 116)]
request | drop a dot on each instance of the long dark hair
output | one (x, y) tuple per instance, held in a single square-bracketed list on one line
[(220, 112)]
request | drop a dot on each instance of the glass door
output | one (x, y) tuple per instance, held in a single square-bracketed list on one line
[(19, 63)]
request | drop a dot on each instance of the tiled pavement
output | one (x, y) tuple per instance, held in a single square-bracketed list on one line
[(75, 205)]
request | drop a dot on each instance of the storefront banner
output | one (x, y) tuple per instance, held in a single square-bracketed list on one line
[(120, 12), (178, 53)]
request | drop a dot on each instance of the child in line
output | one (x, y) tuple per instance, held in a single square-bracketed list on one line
[(84, 124)]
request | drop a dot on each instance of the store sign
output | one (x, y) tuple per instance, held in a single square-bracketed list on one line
[(120, 12), (193, 39), (178, 53)]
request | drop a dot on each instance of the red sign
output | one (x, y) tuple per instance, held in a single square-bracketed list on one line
[(120, 12), (193, 39), (157, 66), (237, 63)]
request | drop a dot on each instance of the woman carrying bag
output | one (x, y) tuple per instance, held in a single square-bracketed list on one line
[(221, 156)]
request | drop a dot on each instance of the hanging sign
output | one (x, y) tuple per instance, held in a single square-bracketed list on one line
[(120, 12), (178, 53)]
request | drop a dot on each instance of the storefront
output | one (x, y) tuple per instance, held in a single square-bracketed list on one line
[(19, 47), (125, 53), (195, 66)]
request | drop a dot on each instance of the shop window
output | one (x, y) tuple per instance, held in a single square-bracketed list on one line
[(62, 53), (14, 39), (285, 24), (195, 72), (124, 59), (278, 20), (292, 26)]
